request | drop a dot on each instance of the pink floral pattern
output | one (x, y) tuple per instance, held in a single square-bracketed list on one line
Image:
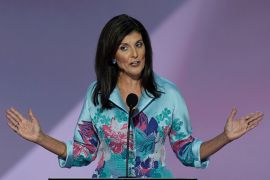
[(117, 136), (178, 145), (87, 133), (79, 149)]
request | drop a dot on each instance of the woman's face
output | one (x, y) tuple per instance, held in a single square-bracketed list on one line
[(130, 55)]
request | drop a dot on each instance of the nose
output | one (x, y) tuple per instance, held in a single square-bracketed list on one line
[(134, 53)]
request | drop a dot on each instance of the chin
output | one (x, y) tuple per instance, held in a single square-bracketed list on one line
[(136, 75)]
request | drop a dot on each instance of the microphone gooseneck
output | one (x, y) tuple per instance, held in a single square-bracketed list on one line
[(131, 100)]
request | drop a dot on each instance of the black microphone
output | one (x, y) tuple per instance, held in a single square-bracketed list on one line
[(131, 100)]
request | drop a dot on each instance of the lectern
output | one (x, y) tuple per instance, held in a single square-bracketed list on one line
[(120, 178)]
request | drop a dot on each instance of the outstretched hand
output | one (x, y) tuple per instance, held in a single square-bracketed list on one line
[(235, 128), (29, 129)]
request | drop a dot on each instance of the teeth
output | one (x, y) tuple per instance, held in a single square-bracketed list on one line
[(135, 63)]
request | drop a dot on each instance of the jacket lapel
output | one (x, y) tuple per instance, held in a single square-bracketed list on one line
[(116, 99), (144, 101)]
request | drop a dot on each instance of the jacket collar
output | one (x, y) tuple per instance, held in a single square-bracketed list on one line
[(144, 101), (115, 98)]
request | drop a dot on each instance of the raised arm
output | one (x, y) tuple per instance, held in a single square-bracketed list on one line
[(29, 129), (234, 129)]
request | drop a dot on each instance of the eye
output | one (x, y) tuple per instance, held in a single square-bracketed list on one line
[(123, 48), (139, 44)]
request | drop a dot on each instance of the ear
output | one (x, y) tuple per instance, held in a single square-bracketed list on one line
[(113, 61)]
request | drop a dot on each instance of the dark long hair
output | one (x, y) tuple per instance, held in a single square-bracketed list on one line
[(107, 73)]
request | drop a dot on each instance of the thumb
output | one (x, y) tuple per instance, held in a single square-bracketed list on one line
[(31, 115), (233, 114)]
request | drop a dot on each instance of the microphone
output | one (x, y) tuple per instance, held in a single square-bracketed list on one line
[(131, 100)]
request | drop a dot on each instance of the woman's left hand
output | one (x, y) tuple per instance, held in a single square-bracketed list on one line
[(234, 129)]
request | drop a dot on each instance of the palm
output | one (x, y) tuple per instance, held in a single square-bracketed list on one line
[(237, 128), (28, 129)]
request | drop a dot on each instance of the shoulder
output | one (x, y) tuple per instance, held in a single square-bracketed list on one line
[(91, 88), (166, 86), (89, 93), (169, 90)]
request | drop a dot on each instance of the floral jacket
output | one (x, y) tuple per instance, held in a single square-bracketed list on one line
[(104, 134)]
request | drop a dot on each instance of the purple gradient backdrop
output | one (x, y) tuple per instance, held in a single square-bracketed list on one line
[(217, 52)]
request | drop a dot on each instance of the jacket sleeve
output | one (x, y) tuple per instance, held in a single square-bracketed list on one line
[(83, 149), (185, 147)]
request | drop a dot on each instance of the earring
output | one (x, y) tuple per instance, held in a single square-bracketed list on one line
[(113, 61)]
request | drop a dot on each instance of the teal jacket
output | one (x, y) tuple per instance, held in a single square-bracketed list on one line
[(103, 134)]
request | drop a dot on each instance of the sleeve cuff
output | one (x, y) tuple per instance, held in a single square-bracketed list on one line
[(196, 151), (67, 163)]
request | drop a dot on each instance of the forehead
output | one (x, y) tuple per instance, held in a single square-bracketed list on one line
[(134, 36)]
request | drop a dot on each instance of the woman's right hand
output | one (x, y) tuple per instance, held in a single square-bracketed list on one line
[(29, 129)]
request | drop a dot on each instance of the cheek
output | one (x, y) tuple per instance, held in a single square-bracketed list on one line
[(142, 57), (122, 59), (142, 51)]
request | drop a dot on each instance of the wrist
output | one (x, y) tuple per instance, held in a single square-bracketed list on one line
[(40, 138), (226, 138)]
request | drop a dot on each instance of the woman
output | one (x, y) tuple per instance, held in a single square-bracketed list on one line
[(124, 66)]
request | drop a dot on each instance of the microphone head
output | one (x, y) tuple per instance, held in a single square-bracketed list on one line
[(132, 100)]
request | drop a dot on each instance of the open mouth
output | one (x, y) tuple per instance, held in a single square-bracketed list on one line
[(135, 63)]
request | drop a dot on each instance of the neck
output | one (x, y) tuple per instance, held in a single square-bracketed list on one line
[(127, 82), (128, 85)]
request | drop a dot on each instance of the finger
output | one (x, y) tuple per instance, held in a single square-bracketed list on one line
[(233, 113), (252, 126), (12, 120), (12, 116), (255, 121), (249, 116), (31, 115), (16, 113), (258, 115), (13, 127)]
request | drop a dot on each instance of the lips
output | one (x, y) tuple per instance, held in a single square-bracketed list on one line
[(135, 63)]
